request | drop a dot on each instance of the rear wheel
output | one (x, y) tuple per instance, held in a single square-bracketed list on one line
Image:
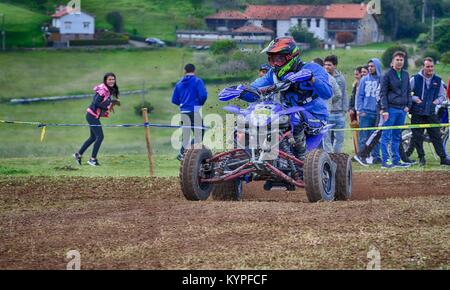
[(228, 190), (406, 144), (319, 172), (344, 179), (193, 169)]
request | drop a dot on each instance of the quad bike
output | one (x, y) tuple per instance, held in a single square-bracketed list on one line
[(442, 111), (324, 176)]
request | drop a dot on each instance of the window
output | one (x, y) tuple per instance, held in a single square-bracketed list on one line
[(68, 25), (308, 23), (317, 23), (86, 25)]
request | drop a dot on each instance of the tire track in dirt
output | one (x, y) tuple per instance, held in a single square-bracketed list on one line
[(366, 185), (130, 223)]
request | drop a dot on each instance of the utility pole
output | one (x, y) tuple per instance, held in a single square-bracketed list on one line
[(432, 26), (423, 10), (3, 32)]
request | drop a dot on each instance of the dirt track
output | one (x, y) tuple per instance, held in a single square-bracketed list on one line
[(146, 223)]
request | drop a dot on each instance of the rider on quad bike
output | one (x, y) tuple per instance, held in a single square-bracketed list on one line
[(284, 58)]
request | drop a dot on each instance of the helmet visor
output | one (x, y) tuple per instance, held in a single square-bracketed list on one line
[(277, 60)]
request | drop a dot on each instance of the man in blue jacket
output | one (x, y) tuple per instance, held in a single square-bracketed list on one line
[(428, 91), (284, 58), (190, 94), (367, 106), (396, 101)]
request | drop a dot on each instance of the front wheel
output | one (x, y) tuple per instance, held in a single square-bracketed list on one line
[(193, 168), (319, 172)]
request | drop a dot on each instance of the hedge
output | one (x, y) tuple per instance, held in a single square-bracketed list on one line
[(84, 42)]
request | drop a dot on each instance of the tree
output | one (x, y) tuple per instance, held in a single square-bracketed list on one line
[(301, 34), (223, 46), (115, 18), (386, 58), (442, 35), (446, 58), (345, 37), (422, 40), (399, 19)]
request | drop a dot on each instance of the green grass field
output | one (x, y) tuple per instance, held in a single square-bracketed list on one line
[(53, 73), (34, 74), (23, 27), (154, 18)]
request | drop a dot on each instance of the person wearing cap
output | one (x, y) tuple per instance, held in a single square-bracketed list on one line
[(263, 69)]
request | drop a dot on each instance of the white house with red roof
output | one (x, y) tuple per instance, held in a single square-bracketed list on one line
[(70, 25), (325, 22)]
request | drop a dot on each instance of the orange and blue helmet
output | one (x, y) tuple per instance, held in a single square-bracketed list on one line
[(283, 53)]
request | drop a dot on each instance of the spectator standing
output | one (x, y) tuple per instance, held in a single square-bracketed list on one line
[(367, 106), (190, 94), (337, 95), (338, 106), (396, 102), (428, 91)]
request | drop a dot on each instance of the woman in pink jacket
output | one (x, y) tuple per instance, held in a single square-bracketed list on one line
[(105, 98)]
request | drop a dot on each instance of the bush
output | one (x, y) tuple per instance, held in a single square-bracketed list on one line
[(433, 53), (223, 46), (419, 62), (442, 35), (110, 35), (412, 30), (423, 40), (115, 18), (138, 108), (301, 34), (445, 58), (98, 42), (137, 38), (386, 58), (345, 37)]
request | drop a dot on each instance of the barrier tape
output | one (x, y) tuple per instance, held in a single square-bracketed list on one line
[(44, 125), (402, 127)]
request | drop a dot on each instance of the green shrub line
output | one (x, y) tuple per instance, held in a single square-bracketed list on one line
[(98, 42)]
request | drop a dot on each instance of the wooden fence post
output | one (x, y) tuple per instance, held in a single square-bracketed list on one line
[(147, 139)]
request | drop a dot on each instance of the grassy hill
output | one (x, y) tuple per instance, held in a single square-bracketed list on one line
[(23, 26), (155, 18), (52, 73), (149, 18)]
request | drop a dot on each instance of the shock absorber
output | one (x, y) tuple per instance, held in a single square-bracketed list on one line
[(285, 147)]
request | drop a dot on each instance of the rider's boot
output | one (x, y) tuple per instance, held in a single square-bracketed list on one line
[(300, 143)]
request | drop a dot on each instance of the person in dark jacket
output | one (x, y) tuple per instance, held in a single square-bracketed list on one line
[(105, 98), (190, 94), (428, 92), (396, 101)]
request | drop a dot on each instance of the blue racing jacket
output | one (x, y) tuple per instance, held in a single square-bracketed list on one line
[(319, 91)]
